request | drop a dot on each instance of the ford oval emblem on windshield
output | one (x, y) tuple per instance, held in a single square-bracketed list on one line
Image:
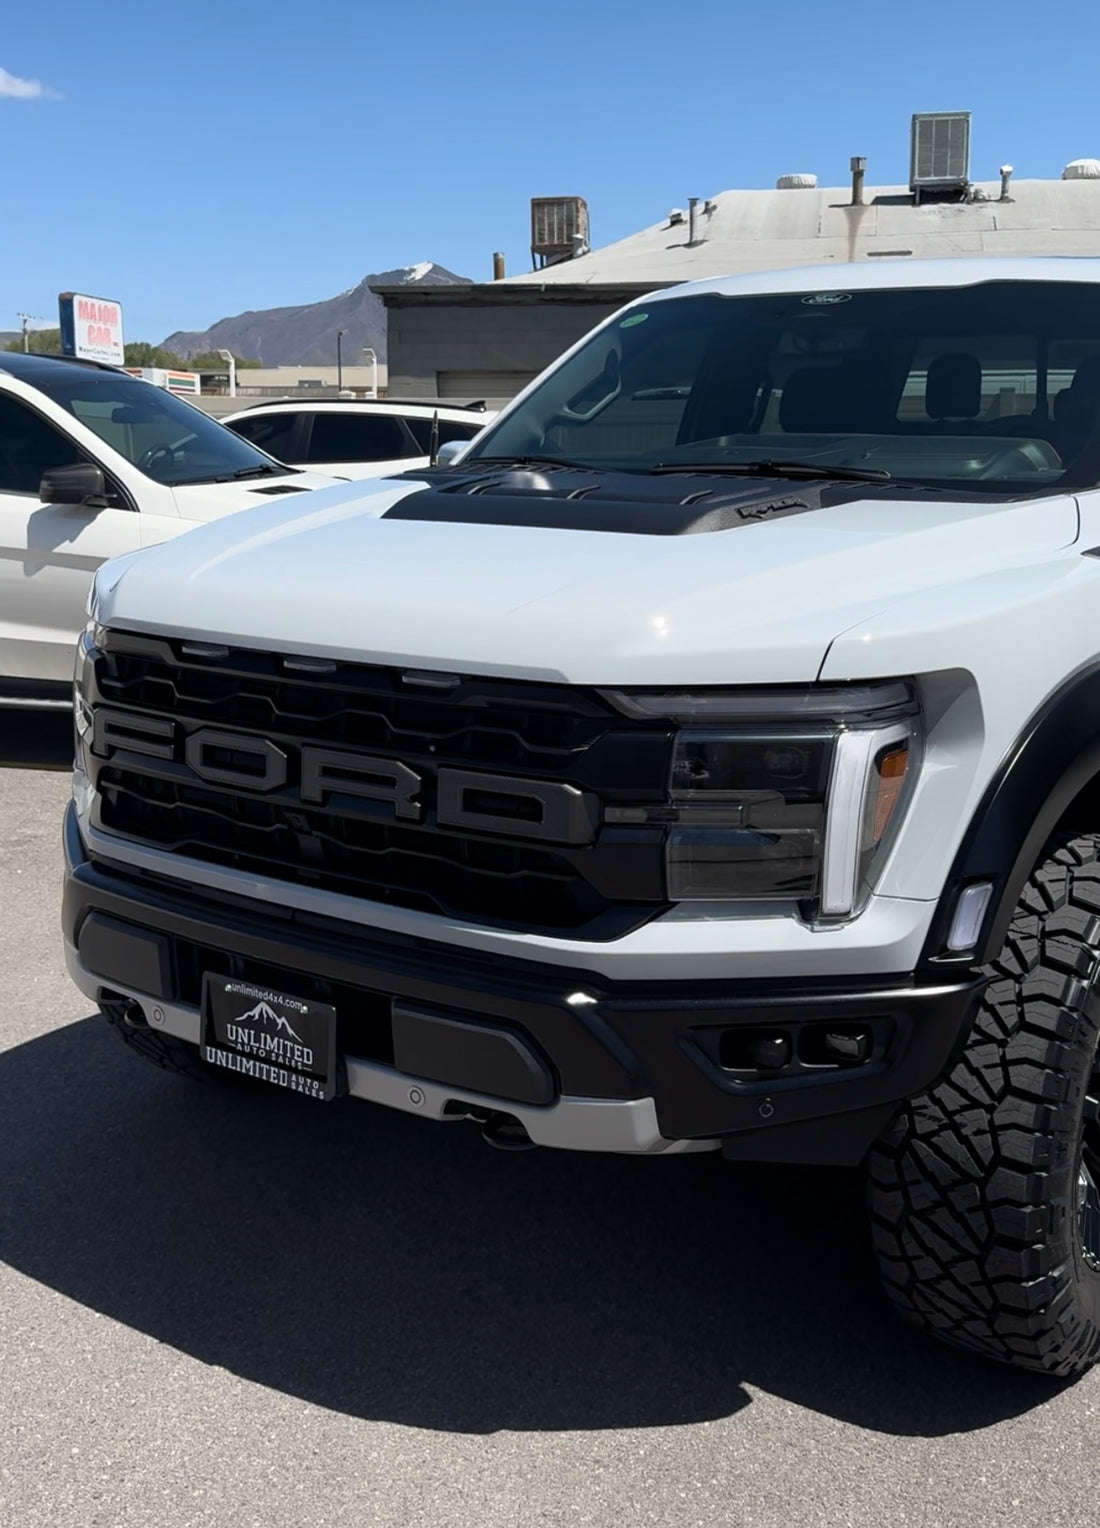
[(826, 299)]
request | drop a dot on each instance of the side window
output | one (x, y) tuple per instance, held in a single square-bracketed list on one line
[(272, 433), (356, 438), (30, 446), (638, 403), (448, 431)]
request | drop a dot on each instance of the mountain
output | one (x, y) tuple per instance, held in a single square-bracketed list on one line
[(306, 336)]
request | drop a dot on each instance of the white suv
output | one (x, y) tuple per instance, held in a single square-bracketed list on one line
[(93, 463), (353, 438)]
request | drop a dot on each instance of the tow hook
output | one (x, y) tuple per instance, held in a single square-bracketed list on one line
[(506, 1133)]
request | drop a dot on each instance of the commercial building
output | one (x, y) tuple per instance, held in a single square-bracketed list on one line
[(487, 340)]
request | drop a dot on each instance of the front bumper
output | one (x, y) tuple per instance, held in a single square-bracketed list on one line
[(581, 1062)]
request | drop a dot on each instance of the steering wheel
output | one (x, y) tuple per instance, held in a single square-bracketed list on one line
[(147, 459)]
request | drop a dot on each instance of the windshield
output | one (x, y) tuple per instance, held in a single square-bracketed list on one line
[(168, 439), (991, 389)]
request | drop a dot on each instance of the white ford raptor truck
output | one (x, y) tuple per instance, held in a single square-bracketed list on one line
[(707, 758)]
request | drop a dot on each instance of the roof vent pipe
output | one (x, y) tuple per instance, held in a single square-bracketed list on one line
[(693, 220), (498, 266), (858, 167), (1006, 176)]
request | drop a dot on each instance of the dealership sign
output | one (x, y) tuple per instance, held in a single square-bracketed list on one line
[(91, 328)]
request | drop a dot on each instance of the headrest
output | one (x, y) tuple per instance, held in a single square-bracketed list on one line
[(1086, 379), (953, 389), (824, 400)]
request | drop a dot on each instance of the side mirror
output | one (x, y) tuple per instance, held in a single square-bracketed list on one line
[(82, 483), (450, 452)]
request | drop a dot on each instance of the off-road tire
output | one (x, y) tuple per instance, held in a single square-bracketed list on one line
[(165, 1051), (975, 1195)]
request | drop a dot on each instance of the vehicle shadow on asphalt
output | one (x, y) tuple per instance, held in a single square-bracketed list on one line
[(35, 739), (395, 1269)]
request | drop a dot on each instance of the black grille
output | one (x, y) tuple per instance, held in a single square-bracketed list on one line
[(354, 846)]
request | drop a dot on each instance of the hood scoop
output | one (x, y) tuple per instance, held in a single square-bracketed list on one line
[(618, 503)]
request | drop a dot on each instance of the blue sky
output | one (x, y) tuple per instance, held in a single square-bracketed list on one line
[(199, 157)]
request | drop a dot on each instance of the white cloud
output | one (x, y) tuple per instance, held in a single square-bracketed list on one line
[(23, 90)]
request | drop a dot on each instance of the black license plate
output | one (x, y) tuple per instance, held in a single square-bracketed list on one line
[(253, 1031)]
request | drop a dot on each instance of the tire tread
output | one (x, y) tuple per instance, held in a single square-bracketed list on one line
[(972, 1185)]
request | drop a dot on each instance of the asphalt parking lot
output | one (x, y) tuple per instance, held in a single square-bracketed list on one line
[(248, 1310)]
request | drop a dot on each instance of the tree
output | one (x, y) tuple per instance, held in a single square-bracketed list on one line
[(137, 353), (210, 360), (141, 353), (39, 341)]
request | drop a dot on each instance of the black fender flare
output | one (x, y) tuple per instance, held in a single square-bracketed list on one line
[(1052, 760)]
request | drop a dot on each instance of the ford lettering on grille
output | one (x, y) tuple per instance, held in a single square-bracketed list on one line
[(551, 811)]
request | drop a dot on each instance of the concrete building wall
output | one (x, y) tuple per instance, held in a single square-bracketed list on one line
[(293, 379), (436, 349)]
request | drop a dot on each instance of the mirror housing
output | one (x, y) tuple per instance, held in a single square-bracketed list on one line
[(449, 453), (82, 483)]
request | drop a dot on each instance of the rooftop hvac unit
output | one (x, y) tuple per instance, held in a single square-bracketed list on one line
[(559, 228), (940, 157)]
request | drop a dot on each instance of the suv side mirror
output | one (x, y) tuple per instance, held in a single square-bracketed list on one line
[(82, 483), (449, 451)]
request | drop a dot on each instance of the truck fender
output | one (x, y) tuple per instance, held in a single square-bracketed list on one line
[(1050, 763)]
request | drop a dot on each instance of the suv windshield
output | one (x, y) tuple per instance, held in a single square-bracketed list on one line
[(166, 438), (992, 388)]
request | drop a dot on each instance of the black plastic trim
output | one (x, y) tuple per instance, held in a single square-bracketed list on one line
[(623, 1040), (482, 1058), (581, 511), (107, 945)]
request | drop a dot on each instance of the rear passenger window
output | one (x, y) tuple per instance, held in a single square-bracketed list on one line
[(970, 378), (272, 433), (448, 431), (357, 438), (30, 446)]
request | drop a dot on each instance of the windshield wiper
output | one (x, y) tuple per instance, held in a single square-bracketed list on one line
[(807, 470), (264, 469), (524, 461)]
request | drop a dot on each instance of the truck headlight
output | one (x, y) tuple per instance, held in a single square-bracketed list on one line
[(783, 794)]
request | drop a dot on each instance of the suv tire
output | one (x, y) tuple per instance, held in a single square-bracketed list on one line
[(985, 1191)]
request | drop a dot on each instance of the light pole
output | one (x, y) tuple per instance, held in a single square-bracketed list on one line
[(227, 357), (367, 351), (340, 359)]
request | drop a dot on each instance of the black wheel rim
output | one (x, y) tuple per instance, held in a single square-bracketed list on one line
[(1088, 1177)]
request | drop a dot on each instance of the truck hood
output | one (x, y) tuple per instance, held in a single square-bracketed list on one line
[(759, 602), (209, 501)]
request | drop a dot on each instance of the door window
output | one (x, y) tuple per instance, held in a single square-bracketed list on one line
[(272, 433), (448, 431), (30, 446), (356, 438)]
